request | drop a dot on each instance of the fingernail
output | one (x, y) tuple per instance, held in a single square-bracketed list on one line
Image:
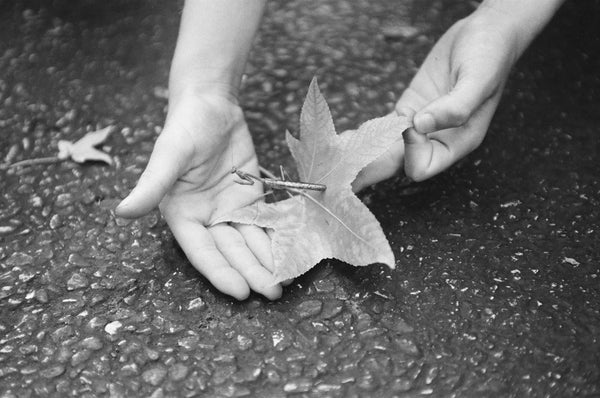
[(424, 123), (124, 203), (412, 136)]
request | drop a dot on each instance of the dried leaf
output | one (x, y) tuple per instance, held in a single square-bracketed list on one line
[(334, 223), (83, 150)]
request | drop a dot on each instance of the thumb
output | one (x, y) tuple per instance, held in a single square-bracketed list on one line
[(164, 168), (455, 108)]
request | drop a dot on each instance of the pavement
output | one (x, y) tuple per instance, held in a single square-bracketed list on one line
[(496, 291)]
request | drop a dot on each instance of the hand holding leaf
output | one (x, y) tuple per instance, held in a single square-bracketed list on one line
[(332, 224)]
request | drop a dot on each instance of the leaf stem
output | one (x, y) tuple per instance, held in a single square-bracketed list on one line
[(319, 204), (34, 161)]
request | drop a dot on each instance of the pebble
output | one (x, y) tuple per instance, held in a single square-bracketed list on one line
[(6, 229), (55, 221), (332, 308), (196, 304), (92, 343), (77, 281), (298, 386), (408, 346), (78, 259), (62, 333), (178, 372), (152, 354), (158, 393), (189, 342), (52, 371), (80, 357), (154, 375), (244, 342), (309, 308), (324, 285), (113, 327), (19, 259), (63, 200)]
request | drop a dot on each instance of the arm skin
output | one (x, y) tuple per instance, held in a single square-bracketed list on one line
[(214, 41), (455, 93), (188, 174)]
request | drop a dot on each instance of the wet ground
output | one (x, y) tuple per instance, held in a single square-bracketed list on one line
[(496, 291)]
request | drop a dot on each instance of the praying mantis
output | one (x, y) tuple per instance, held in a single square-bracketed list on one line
[(274, 183)]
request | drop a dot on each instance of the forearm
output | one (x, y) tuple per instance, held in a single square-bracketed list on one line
[(214, 40), (526, 17)]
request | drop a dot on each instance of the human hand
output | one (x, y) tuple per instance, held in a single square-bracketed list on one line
[(189, 175), (452, 98)]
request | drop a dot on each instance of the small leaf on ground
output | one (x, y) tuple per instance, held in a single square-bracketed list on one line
[(83, 150), (313, 226)]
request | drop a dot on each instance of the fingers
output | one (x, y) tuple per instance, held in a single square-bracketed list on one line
[(455, 108), (259, 243), (198, 245), (236, 250), (386, 165), (426, 155), (381, 168), (166, 164)]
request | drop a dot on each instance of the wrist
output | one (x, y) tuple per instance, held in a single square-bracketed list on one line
[(523, 20), (202, 82)]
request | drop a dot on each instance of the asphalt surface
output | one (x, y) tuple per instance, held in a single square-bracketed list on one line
[(496, 291)]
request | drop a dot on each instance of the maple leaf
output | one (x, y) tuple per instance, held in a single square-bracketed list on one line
[(83, 150), (332, 224)]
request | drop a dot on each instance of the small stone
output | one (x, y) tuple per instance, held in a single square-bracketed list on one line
[(92, 343), (401, 327), (19, 259), (178, 372), (78, 259), (332, 308), (408, 346), (152, 355), (196, 304), (80, 357), (116, 391), (189, 342), (28, 349), (26, 276), (309, 308), (324, 286), (297, 386), (7, 370), (401, 384), (113, 327), (244, 342), (95, 322), (158, 393), (63, 200), (130, 369), (77, 281), (55, 221), (52, 371), (154, 375), (6, 229), (62, 333)]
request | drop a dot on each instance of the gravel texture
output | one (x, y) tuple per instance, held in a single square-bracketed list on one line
[(496, 291)]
